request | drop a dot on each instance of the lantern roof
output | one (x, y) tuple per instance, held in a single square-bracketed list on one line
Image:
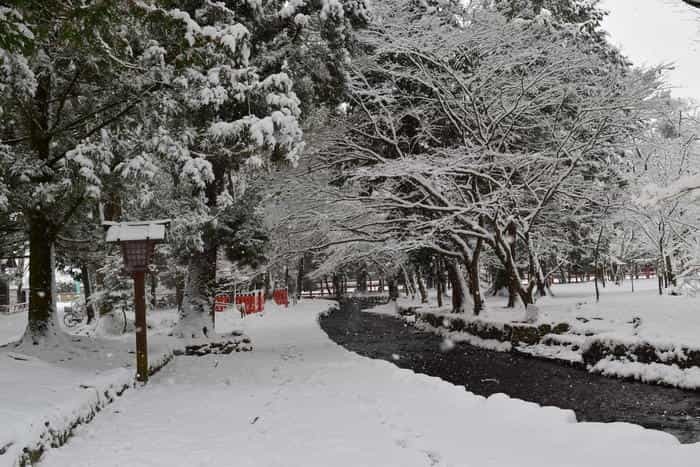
[(135, 231)]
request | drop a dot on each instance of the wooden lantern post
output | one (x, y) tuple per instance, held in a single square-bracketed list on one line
[(138, 241)]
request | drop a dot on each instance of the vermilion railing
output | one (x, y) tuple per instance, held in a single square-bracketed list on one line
[(251, 302)]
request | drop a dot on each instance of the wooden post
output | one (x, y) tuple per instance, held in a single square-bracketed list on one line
[(141, 342)]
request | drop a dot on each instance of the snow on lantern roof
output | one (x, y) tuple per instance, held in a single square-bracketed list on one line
[(134, 231)]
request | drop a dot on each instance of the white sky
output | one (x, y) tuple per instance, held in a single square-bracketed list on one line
[(652, 32)]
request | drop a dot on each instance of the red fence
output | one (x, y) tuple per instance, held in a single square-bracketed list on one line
[(254, 302), (221, 302), (280, 296), (251, 302)]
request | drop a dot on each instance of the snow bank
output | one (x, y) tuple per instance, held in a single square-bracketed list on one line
[(48, 391), (654, 338), (686, 378), (41, 403), (476, 341)]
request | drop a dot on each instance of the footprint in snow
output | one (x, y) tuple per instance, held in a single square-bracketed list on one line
[(433, 457), (402, 443)]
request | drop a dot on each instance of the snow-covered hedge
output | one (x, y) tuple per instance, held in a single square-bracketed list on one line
[(609, 354), (613, 347), (515, 333), (54, 429)]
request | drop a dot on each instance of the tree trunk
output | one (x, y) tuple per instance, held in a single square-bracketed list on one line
[(634, 267), (87, 292), (337, 288), (408, 289), (268, 285), (421, 287), (197, 313), (500, 281), (596, 264), (179, 294), (300, 277), (669, 271), (513, 283), (536, 268), (504, 248), (20, 280), (473, 284), (362, 281), (457, 297), (393, 289), (41, 325), (438, 281), (460, 290), (430, 279)]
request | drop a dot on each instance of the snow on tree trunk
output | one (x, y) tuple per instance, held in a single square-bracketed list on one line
[(461, 300), (43, 330), (87, 292), (408, 289), (196, 313)]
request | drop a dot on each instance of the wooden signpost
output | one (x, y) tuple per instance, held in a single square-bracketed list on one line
[(137, 241)]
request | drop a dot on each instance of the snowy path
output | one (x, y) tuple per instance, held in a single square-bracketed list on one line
[(299, 399)]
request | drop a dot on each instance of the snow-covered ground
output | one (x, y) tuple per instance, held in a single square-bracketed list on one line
[(52, 388), (300, 399), (663, 319), (12, 325)]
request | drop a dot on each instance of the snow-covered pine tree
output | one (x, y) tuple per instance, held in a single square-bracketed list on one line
[(235, 109), (72, 76)]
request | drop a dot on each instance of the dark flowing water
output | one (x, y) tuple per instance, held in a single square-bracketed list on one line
[(594, 398)]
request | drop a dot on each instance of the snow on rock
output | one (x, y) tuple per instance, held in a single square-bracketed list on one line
[(552, 352), (300, 399), (687, 378), (476, 341)]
